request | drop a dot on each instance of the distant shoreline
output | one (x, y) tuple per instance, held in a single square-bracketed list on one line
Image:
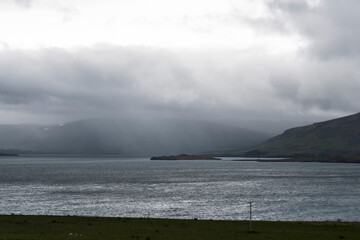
[(8, 155), (337, 159), (185, 157), (333, 159), (289, 160)]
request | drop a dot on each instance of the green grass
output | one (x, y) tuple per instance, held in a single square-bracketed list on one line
[(69, 227)]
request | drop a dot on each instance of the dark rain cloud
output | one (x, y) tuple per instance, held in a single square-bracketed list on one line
[(326, 76), (331, 26), (93, 82), (145, 82)]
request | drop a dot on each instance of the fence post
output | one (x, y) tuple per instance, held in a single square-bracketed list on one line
[(250, 203)]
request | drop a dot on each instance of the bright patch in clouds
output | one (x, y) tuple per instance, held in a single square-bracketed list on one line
[(183, 24)]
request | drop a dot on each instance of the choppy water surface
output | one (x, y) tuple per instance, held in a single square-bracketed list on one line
[(137, 187)]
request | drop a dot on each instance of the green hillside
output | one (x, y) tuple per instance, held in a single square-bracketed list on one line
[(335, 137)]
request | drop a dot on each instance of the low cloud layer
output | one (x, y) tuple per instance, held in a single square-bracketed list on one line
[(129, 82), (320, 79)]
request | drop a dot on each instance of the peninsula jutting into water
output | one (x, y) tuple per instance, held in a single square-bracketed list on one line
[(185, 157)]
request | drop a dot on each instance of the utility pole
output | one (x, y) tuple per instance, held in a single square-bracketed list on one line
[(250, 203)]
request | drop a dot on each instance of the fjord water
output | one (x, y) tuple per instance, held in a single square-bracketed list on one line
[(138, 187)]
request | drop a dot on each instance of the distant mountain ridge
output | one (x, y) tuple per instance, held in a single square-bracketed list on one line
[(128, 137), (335, 137)]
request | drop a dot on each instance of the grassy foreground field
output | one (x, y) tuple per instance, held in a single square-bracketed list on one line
[(69, 227)]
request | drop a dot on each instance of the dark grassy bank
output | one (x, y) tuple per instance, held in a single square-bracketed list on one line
[(56, 227)]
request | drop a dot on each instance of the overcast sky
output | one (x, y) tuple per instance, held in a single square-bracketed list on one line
[(212, 59)]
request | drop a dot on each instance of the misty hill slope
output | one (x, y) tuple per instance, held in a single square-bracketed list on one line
[(330, 138), (128, 137)]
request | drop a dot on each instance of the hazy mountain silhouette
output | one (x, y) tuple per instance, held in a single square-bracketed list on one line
[(128, 137)]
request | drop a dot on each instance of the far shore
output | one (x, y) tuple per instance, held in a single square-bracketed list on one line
[(278, 159), (185, 157), (8, 154), (330, 159), (289, 160)]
